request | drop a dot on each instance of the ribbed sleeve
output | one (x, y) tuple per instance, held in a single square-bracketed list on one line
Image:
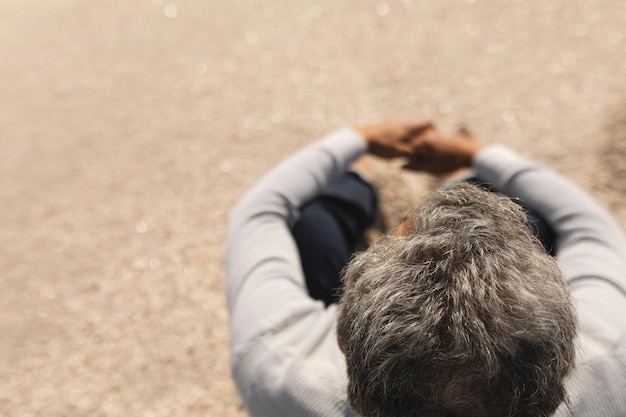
[(591, 251)]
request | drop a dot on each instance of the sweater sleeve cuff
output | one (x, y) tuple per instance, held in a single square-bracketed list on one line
[(347, 141), (497, 164)]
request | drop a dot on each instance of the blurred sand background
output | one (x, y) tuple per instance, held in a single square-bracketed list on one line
[(128, 129)]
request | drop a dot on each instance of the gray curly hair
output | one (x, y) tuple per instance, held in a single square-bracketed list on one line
[(466, 315)]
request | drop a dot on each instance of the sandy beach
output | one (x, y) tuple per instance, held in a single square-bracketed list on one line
[(129, 129)]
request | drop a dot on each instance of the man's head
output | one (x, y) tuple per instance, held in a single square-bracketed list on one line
[(463, 315)]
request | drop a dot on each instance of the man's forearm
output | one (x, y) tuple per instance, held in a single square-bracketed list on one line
[(588, 238), (262, 261)]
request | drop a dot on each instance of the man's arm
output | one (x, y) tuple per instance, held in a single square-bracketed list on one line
[(264, 277), (590, 243), (591, 246), (265, 281), (589, 240), (274, 323), (284, 352), (591, 251)]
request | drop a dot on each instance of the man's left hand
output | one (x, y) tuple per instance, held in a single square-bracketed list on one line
[(392, 139)]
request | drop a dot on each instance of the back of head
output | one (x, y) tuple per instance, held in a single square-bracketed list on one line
[(465, 315)]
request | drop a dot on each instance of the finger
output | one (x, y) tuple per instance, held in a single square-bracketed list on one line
[(413, 166), (464, 131), (409, 166), (404, 149), (415, 129), (415, 136), (416, 163)]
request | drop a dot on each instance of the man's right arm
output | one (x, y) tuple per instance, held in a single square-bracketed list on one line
[(591, 251), (589, 242)]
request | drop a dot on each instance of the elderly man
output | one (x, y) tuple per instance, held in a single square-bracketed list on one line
[(461, 311)]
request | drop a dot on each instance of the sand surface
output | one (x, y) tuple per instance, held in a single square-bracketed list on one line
[(128, 129)]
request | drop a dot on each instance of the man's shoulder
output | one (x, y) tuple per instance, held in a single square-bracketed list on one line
[(295, 369), (596, 387)]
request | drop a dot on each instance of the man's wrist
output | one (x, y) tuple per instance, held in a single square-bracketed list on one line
[(474, 148), (365, 134)]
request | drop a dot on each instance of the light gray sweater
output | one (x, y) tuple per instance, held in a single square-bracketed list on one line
[(285, 357)]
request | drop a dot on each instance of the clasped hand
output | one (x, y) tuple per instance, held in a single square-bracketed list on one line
[(423, 146)]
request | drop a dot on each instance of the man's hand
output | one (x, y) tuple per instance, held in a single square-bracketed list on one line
[(393, 139), (440, 154)]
